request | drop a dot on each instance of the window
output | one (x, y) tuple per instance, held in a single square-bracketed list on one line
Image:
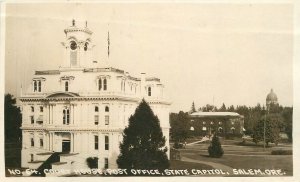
[(106, 143), (203, 128), (41, 109), (232, 129), (32, 109), (39, 86), (32, 119), (99, 84), (96, 142), (66, 86), (86, 46), (104, 84), (203, 122), (105, 163), (31, 158), (149, 91), (232, 122), (220, 122), (106, 109), (96, 117), (66, 116), (220, 129), (73, 45), (124, 85), (106, 119), (32, 142), (96, 109), (34, 86), (41, 142), (211, 122)]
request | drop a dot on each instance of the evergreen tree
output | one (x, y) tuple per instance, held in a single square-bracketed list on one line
[(143, 145), (215, 148), (12, 119), (222, 108), (193, 109), (271, 125), (179, 126), (231, 108)]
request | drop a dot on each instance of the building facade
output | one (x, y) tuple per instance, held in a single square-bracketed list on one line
[(81, 108), (222, 123)]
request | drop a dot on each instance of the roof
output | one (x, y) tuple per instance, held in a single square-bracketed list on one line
[(271, 96), (205, 114)]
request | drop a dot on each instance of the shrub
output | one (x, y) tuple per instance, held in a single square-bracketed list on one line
[(178, 145), (215, 148), (282, 152), (92, 162)]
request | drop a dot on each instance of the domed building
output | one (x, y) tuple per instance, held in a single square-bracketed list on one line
[(271, 99)]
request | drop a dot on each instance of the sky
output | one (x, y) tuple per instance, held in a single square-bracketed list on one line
[(202, 52)]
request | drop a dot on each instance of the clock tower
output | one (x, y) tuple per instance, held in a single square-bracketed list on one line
[(77, 47)]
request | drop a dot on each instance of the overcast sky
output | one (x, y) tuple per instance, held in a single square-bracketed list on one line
[(206, 53)]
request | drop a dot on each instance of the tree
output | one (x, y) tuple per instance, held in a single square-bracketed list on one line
[(271, 124), (208, 108), (12, 119), (215, 148), (193, 109), (287, 114), (143, 145), (223, 108), (179, 126), (231, 108)]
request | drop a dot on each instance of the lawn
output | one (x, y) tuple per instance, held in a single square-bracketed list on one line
[(243, 157), (174, 164)]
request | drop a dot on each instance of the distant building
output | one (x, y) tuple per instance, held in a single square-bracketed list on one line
[(223, 123), (271, 99)]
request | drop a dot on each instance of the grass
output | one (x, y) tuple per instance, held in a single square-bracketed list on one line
[(240, 157), (174, 164)]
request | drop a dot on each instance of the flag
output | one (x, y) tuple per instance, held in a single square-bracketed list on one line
[(108, 42)]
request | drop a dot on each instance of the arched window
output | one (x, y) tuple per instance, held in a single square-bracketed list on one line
[(96, 109), (66, 116), (232, 129), (104, 84), (99, 84), (220, 130), (106, 109), (149, 91), (66, 86)]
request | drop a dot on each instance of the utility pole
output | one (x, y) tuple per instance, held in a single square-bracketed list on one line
[(265, 127), (265, 130)]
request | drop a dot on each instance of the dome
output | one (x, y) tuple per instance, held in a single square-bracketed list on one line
[(272, 97)]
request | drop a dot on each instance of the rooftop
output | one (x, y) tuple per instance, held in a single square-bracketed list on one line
[(204, 114)]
